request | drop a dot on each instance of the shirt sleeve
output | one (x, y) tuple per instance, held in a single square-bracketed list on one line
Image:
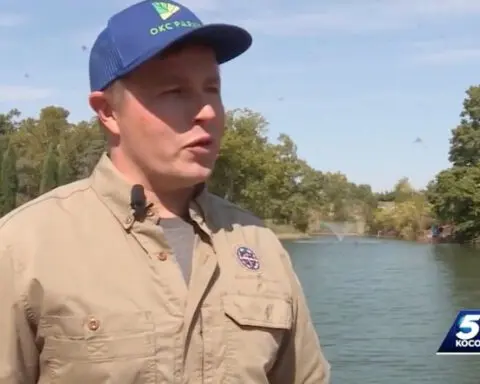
[(18, 352), (301, 359)]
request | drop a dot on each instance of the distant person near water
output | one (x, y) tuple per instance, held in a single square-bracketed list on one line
[(138, 274)]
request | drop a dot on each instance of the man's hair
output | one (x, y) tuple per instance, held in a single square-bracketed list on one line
[(114, 92)]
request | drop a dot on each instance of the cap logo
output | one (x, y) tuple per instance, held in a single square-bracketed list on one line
[(165, 10), (165, 27)]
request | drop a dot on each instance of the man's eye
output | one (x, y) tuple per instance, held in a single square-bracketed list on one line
[(214, 89), (174, 91)]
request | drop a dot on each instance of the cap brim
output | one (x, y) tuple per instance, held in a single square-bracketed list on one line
[(228, 42)]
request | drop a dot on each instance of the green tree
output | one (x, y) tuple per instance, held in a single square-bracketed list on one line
[(50, 171), (406, 217), (465, 141), (64, 175), (403, 190), (9, 181), (455, 197), (8, 123), (454, 192)]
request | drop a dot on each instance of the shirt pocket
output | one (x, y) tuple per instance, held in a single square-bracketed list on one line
[(254, 330), (117, 347)]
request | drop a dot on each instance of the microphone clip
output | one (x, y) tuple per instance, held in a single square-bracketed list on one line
[(138, 202)]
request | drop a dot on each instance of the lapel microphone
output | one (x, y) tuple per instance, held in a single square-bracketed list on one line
[(138, 201)]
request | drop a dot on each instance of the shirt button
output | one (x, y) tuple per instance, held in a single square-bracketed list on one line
[(93, 324), (162, 256), (129, 220)]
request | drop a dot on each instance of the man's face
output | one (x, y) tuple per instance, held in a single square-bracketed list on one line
[(169, 118)]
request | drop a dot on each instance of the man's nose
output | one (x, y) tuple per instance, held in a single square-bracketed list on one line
[(206, 113)]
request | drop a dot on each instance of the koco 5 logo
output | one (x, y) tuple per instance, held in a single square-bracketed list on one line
[(463, 338), (468, 331)]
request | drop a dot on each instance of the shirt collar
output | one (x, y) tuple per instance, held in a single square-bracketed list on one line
[(114, 190)]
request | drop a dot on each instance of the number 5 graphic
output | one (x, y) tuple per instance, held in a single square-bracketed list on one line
[(469, 322)]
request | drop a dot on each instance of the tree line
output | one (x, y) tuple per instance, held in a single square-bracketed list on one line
[(267, 178), (454, 194)]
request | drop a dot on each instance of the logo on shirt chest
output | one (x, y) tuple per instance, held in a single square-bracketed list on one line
[(247, 258)]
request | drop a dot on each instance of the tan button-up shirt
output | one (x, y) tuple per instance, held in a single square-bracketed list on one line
[(90, 295)]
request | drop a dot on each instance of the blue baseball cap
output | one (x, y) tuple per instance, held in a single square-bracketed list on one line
[(146, 29)]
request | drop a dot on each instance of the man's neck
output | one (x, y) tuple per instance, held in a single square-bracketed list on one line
[(170, 204), (167, 203)]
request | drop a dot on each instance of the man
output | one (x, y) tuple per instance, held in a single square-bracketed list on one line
[(137, 274)]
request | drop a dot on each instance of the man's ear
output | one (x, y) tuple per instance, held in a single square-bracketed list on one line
[(102, 102)]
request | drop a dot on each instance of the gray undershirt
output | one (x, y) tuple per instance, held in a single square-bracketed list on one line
[(180, 235)]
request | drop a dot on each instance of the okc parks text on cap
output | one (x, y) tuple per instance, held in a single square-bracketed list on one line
[(145, 29)]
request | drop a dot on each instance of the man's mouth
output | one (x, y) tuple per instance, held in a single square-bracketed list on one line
[(202, 142)]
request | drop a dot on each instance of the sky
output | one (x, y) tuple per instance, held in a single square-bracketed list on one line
[(353, 83)]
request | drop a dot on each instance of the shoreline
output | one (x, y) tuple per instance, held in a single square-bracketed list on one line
[(301, 236), (306, 236), (293, 236)]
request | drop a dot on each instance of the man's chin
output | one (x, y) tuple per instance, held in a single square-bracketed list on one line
[(197, 174)]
